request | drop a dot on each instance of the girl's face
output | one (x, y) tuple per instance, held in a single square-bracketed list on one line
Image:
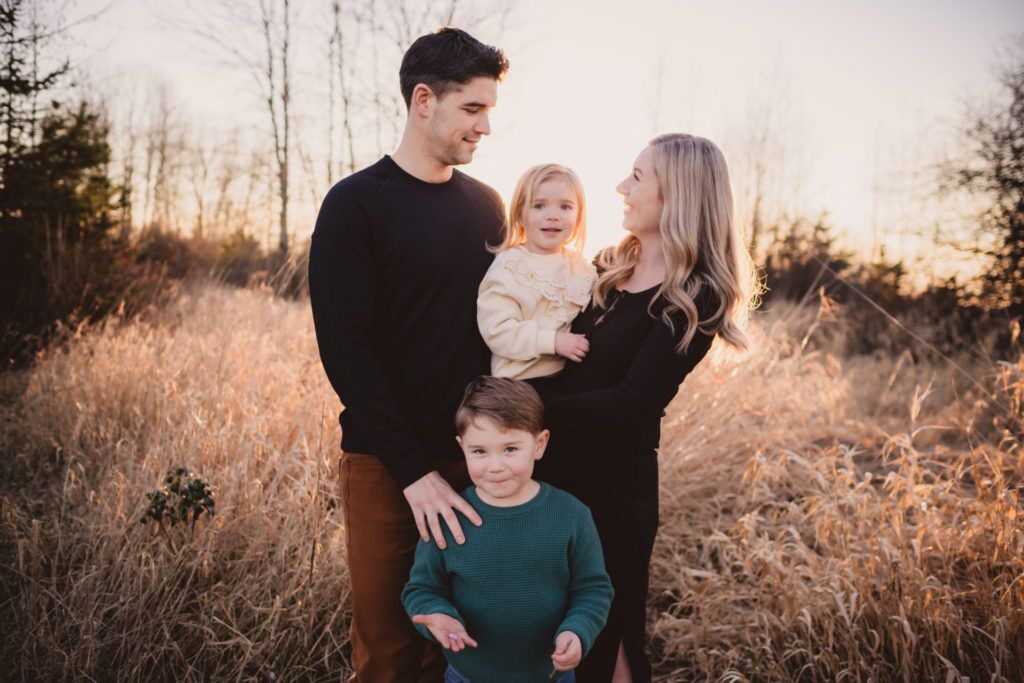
[(550, 219), (641, 195)]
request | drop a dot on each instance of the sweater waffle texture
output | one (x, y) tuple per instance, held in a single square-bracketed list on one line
[(530, 572)]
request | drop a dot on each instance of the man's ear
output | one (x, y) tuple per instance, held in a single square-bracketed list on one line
[(422, 100), (542, 443)]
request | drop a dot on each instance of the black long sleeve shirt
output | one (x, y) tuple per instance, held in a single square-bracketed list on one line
[(618, 394), (394, 267)]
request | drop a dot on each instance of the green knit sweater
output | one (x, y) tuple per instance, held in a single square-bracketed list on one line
[(530, 572)]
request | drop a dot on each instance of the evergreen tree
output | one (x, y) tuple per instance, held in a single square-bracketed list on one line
[(996, 172), (56, 199)]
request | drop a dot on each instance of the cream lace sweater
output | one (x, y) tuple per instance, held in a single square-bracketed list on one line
[(524, 299)]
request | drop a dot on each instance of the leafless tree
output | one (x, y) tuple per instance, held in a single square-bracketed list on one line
[(342, 61), (770, 169), (201, 157), (164, 147), (229, 27)]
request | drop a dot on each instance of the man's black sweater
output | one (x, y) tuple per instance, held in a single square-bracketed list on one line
[(394, 268)]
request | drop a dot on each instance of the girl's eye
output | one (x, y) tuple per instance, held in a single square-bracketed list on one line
[(538, 205), (567, 207)]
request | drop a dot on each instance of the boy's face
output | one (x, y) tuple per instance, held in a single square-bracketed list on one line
[(500, 461)]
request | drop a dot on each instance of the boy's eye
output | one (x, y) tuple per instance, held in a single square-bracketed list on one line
[(511, 449)]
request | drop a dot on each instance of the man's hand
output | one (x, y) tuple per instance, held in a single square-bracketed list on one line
[(568, 651), (571, 346), (431, 497), (448, 630)]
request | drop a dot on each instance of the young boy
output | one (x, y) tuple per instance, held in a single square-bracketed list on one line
[(524, 598)]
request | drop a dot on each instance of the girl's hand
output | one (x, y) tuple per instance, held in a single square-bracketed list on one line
[(448, 630), (568, 651), (571, 346)]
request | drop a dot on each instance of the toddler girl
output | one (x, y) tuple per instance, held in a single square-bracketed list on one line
[(539, 280)]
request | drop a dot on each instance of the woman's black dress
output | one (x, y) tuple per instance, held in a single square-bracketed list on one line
[(605, 420)]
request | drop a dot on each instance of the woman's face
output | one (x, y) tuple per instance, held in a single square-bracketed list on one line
[(641, 195)]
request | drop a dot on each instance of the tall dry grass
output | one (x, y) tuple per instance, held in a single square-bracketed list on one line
[(823, 518), (228, 383)]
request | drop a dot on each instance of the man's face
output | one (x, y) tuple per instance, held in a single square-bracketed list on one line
[(459, 119)]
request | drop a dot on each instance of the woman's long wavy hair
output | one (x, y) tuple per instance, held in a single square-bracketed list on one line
[(702, 243)]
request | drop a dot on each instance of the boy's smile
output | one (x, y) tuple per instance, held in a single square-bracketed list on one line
[(500, 461)]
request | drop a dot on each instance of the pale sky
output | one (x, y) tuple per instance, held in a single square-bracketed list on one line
[(865, 89)]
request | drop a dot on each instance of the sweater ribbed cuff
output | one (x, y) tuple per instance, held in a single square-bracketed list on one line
[(582, 628), (546, 342)]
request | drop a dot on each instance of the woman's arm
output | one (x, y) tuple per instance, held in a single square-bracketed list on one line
[(650, 384)]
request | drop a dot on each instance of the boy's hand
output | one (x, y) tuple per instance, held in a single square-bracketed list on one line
[(448, 630), (568, 651), (571, 346)]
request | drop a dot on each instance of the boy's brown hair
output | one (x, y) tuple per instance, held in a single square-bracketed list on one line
[(509, 403)]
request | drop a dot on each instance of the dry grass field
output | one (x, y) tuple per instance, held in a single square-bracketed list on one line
[(823, 518)]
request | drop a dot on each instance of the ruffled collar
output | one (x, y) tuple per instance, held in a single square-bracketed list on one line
[(565, 280)]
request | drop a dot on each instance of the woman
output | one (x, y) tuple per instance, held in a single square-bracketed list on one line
[(679, 279)]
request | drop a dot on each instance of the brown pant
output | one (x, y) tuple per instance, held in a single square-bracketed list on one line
[(381, 540)]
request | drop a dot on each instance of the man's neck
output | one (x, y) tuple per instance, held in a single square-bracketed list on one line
[(412, 158)]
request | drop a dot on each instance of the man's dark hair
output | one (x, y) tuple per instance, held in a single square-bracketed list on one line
[(508, 403), (447, 58)]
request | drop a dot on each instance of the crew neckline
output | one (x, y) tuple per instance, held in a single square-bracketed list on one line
[(644, 291), (419, 181), (511, 510)]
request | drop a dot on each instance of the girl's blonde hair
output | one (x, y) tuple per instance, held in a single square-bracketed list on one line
[(523, 196), (702, 243)]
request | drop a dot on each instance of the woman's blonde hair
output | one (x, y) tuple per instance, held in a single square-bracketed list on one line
[(526, 190), (702, 243)]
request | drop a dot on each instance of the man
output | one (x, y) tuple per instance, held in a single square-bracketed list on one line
[(397, 255)]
